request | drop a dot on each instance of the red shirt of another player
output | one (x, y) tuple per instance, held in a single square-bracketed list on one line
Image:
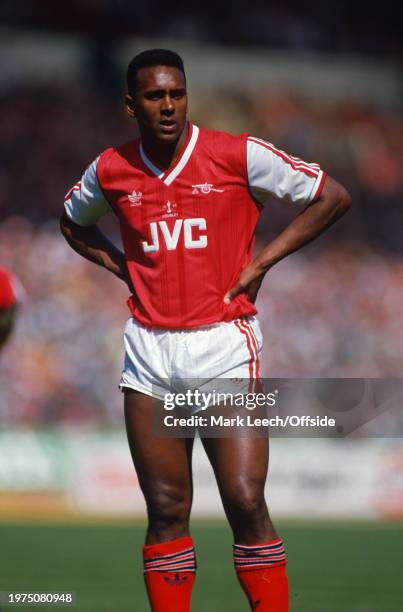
[(7, 292)]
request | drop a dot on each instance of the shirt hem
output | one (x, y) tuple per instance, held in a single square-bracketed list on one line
[(198, 324)]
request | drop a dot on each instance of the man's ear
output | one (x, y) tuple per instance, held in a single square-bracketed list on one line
[(129, 102)]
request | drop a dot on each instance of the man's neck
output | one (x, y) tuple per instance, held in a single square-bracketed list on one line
[(164, 154)]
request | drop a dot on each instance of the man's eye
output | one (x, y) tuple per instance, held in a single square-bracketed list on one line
[(153, 96)]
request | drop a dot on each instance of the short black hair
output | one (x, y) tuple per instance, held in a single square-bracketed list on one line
[(151, 57)]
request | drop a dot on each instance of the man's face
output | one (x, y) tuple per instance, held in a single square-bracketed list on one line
[(160, 102)]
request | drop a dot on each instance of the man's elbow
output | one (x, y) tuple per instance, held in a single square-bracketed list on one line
[(335, 197), (65, 225), (343, 201), (62, 223)]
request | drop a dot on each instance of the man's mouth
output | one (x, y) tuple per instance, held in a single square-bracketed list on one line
[(168, 125)]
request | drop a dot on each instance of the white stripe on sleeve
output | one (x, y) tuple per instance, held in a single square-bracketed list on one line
[(272, 171), (85, 203)]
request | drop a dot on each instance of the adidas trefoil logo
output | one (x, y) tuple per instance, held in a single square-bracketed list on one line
[(135, 198), (177, 580)]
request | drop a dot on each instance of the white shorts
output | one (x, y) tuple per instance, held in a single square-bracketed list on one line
[(160, 361)]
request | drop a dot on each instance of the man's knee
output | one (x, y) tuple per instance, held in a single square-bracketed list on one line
[(168, 506), (246, 501)]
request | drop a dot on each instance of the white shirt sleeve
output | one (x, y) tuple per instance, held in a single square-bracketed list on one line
[(274, 172), (85, 203)]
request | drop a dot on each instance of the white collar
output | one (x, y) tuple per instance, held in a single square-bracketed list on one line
[(169, 175)]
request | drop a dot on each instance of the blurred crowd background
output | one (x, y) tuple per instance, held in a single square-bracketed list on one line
[(339, 26), (333, 309)]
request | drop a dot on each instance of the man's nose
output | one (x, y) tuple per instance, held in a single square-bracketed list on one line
[(167, 106)]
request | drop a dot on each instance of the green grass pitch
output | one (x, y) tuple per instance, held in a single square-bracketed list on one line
[(335, 567)]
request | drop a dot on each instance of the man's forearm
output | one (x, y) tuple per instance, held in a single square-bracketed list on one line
[(91, 243), (314, 220), (309, 224)]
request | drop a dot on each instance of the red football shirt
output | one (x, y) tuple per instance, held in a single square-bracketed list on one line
[(7, 289), (189, 231)]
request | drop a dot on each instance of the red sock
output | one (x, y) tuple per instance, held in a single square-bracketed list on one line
[(169, 573), (261, 572)]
